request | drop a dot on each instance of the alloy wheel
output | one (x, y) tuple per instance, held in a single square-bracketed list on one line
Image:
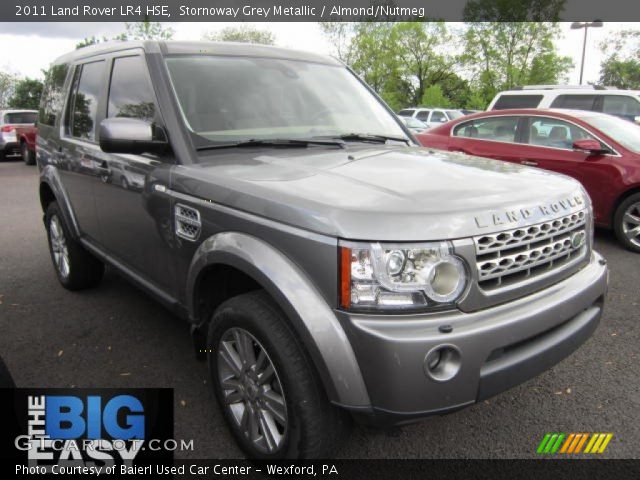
[(631, 223), (251, 390), (59, 247)]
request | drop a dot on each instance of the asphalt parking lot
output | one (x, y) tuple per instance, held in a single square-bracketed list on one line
[(116, 336)]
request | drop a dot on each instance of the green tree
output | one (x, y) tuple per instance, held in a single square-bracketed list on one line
[(621, 67), (511, 52), (433, 97), (146, 31), (8, 82), (244, 34), (26, 94)]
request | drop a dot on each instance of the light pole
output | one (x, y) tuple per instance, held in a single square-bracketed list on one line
[(585, 25)]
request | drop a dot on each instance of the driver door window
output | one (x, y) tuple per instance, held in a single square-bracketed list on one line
[(554, 133)]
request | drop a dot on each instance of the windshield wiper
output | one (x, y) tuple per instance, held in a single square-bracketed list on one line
[(274, 142), (370, 137)]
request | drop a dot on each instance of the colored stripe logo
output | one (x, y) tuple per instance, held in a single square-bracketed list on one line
[(574, 443)]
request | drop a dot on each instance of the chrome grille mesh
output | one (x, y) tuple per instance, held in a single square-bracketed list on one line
[(188, 222), (511, 256)]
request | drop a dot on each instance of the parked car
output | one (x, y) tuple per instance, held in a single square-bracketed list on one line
[(326, 263), (431, 117), (621, 103), (601, 151), (9, 120), (26, 137), (413, 124)]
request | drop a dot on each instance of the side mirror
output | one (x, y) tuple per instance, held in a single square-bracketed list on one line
[(129, 135), (592, 147)]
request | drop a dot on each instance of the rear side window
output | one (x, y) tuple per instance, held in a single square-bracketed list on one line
[(575, 102), (21, 117), (499, 129), (130, 93), (517, 101), (423, 115), (53, 95), (438, 117), (621, 106), (84, 102), (406, 113)]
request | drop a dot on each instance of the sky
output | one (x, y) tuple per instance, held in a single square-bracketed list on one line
[(30, 47)]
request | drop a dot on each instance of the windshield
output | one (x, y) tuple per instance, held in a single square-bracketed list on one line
[(20, 117), (453, 114), (622, 131), (234, 99), (413, 122)]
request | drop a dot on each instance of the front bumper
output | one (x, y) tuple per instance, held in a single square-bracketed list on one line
[(497, 348)]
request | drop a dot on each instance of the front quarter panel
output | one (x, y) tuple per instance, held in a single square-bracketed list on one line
[(303, 304)]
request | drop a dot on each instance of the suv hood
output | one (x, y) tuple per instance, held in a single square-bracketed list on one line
[(386, 193)]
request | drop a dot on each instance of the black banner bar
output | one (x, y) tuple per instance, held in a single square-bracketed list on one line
[(310, 10)]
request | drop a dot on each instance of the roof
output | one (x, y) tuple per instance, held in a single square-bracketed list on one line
[(203, 48), (567, 91), (558, 112), (17, 110)]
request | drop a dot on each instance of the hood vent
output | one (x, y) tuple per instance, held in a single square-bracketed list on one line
[(188, 222)]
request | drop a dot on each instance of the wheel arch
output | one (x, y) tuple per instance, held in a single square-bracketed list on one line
[(621, 198), (50, 190), (257, 264)]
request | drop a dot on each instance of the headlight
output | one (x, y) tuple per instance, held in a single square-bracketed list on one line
[(400, 276)]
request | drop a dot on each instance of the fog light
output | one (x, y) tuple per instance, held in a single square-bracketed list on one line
[(442, 363)]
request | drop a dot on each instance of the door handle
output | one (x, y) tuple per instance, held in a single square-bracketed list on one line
[(529, 163)]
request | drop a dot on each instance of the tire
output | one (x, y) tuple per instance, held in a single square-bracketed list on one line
[(75, 267), (27, 155), (3, 155), (626, 223), (312, 426)]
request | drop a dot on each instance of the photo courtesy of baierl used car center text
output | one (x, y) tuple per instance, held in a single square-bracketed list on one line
[(354, 239)]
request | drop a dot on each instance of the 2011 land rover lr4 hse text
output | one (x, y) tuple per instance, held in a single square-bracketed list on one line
[(326, 263)]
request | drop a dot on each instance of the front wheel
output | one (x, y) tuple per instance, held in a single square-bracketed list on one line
[(626, 223), (267, 387)]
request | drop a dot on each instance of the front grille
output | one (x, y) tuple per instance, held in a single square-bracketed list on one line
[(506, 258)]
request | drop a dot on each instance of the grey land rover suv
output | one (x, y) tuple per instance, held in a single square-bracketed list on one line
[(328, 266)]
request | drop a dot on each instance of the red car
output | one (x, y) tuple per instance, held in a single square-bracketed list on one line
[(599, 150), (26, 136)]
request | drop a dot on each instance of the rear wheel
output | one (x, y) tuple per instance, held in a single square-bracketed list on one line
[(268, 389), (626, 222), (27, 155), (75, 267)]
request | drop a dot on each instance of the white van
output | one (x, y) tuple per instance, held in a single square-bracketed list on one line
[(621, 103)]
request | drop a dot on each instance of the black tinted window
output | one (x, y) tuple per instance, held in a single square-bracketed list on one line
[(621, 106), (53, 96), (423, 115), (130, 94), (517, 101), (406, 113), (438, 117), (85, 101), (21, 117), (576, 102)]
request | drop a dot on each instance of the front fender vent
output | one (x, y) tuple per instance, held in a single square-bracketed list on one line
[(188, 223)]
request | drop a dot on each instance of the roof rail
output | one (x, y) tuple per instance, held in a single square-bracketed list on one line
[(564, 87)]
